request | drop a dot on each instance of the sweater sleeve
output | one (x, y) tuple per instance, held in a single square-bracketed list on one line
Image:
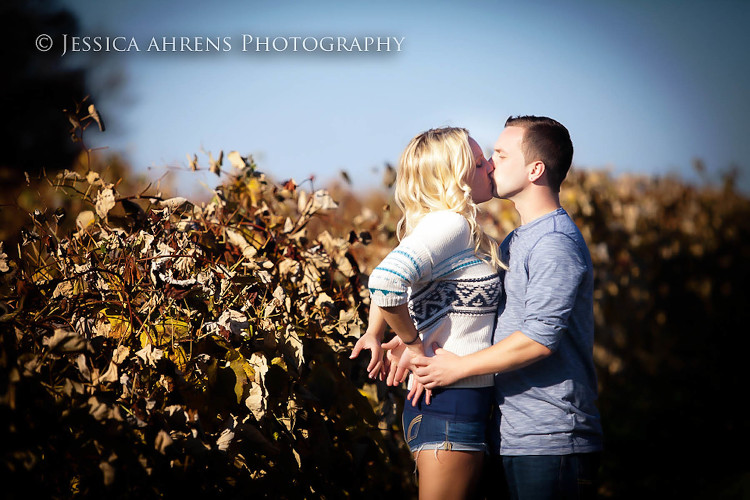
[(437, 237), (405, 266)]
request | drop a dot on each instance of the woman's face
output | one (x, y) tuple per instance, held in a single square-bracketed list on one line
[(480, 180)]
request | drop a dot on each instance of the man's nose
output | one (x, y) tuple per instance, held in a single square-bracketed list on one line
[(491, 167)]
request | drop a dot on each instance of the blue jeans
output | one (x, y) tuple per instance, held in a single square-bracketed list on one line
[(542, 477)]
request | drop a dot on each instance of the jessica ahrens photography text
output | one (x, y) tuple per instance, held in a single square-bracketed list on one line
[(243, 43)]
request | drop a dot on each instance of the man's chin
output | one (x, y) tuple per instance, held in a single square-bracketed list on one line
[(498, 194)]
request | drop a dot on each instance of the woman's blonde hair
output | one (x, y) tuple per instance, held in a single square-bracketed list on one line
[(433, 174)]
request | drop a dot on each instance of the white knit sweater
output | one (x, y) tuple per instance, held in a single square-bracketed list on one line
[(453, 296)]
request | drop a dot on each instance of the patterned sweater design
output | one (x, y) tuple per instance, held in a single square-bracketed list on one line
[(453, 295)]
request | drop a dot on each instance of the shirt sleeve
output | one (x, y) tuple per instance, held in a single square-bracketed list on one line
[(437, 237), (556, 270)]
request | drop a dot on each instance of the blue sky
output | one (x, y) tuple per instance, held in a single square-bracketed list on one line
[(643, 86)]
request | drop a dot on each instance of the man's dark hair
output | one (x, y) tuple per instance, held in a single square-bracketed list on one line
[(548, 141)]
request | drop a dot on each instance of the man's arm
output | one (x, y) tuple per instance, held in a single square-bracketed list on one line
[(511, 353), (555, 272)]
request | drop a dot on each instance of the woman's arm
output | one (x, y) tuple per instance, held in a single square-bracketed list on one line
[(407, 266), (402, 354), (376, 322), (400, 321)]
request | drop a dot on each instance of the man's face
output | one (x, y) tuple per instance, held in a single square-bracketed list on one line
[(510, 175), (480, 180)]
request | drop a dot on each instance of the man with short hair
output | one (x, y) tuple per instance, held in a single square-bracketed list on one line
[(550, 429)]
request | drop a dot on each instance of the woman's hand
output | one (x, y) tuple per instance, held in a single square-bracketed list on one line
[(399, 358), (416, 392), (371, 341)]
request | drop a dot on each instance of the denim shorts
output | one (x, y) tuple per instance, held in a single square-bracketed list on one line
[(457, 421)]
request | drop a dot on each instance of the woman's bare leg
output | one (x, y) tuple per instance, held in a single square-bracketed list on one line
[(448, 474)]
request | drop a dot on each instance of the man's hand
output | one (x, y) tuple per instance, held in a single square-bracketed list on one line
[(444, 368), (370, 341)]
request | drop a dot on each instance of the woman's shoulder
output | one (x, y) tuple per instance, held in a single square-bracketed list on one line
[(443, 225), (442, 220)]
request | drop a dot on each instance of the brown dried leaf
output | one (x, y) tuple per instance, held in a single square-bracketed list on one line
[(110, 375), (322, 200), (65, 341), (236, 160), (120, 354), (93, 113), (294, 345), (98, 409), (255, 402), (163, 441), (3, 260), (105, 201), (85, 219)]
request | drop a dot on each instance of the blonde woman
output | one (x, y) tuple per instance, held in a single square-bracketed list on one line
[(440, 285)]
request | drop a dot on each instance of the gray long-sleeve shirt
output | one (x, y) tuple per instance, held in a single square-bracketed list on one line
[(548, 408)]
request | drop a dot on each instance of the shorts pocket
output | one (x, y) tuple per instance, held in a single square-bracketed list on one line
[(413, 430)]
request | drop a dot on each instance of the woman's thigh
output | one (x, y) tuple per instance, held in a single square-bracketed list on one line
[(448, 453), (448, 474)]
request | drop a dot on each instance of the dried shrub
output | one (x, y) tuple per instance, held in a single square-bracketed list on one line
[(161, 347), (154, 347)]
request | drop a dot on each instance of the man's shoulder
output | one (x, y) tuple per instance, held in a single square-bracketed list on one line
[(564, 223), (556, 244), (561, 240), (557, 229)]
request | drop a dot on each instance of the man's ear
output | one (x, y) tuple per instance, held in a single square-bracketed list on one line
[(536, 171)]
